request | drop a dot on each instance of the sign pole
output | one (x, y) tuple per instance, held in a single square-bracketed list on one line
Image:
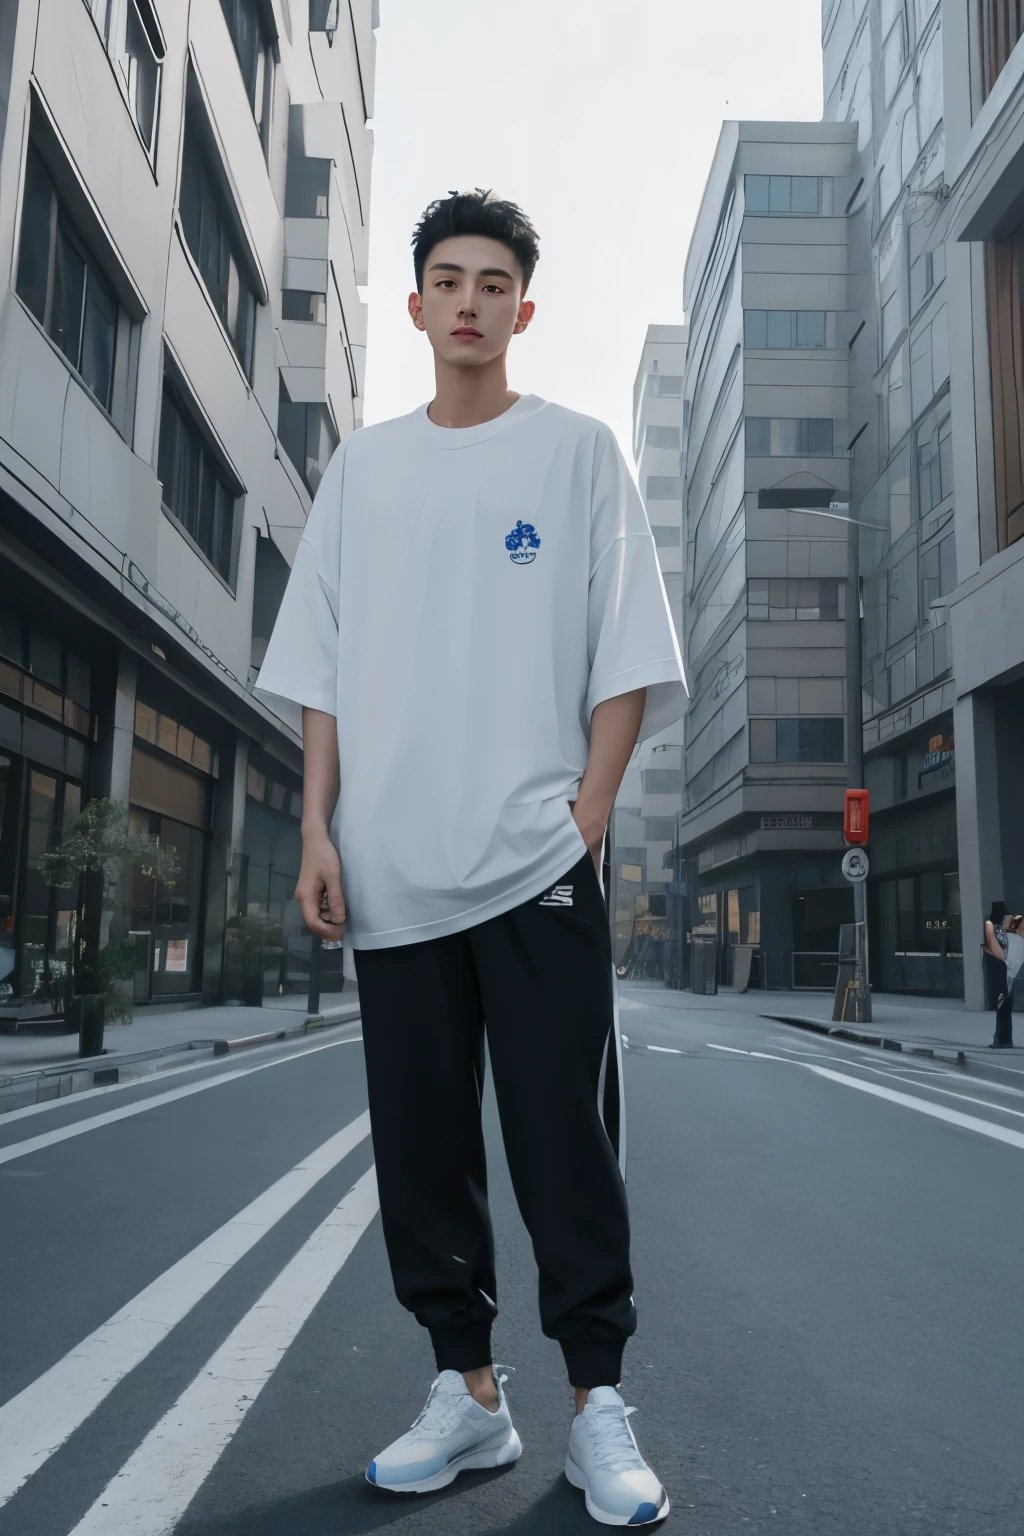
[(860, 917)]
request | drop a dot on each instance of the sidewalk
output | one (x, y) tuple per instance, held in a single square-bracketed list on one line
[(152, 1030), (914, 1023)]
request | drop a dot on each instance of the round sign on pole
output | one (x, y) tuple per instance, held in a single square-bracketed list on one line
[(855, 865)]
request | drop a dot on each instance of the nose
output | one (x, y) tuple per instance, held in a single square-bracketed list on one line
[(468, 308)]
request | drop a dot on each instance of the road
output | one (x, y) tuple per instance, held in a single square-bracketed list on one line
[(199, 1335)]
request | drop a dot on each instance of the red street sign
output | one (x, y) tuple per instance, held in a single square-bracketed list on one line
[(855, 817)]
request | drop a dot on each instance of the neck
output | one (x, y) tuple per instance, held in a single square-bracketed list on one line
[(467, 397)]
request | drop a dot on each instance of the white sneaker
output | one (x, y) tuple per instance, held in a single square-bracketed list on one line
[(451, 1435), (604, 1461)]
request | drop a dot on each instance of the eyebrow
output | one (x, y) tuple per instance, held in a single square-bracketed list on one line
[(452, 266)]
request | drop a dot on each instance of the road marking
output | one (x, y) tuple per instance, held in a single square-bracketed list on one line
[(108, 1117), (161, 1478), (1001, 1133), (7, 1116), (37, 1422), (666, 1050)]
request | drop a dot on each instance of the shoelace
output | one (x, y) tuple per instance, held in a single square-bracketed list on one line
[(445, 1404), (614, 1447), (442, 1408)]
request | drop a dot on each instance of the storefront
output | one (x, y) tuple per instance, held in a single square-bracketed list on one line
[(266, 895), (174, 772), (45, 732), (914, 890)]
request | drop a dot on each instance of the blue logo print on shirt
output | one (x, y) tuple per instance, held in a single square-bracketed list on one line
[(522, 543)]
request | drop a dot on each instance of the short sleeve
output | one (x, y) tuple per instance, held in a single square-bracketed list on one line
[(631, 638), (301, 664)]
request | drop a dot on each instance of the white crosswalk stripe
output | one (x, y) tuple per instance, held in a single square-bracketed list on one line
[(158, 1482), (35, 1423)]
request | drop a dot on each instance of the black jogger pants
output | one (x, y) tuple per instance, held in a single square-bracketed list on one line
[(538, 980)]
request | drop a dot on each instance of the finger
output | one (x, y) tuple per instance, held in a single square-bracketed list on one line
[(333, 904)]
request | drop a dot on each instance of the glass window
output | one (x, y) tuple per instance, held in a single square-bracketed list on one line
[(755, 327), (797, 741), (194, 488), (307, 435), (934, 463), (758, 431), (12, 635), (762, 741), (46, 656), (253, 50), (300, 304), (208, 235), (782, 196), (62, 286), (755, 194), (133, 42), (816, 436), (38, 212), (810, 327), (779, 193), (805, 194), (780, 328)]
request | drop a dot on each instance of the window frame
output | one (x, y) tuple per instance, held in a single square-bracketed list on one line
[(780, 193), (110, 18), (260, 90), (187, 413), (118, 406), (235, 287)]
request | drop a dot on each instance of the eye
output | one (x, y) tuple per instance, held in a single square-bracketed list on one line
[(445, 282), (493, 288)]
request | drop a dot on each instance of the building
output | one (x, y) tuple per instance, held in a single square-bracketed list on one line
[(770, 300), (982, 246), (644, 823), (184, 195), (885, 66)]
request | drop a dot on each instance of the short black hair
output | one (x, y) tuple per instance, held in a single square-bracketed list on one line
[(475, 213)]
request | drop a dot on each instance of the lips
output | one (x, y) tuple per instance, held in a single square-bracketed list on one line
[(468, 331)]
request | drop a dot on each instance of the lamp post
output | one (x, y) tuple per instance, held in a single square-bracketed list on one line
[(839, 511)]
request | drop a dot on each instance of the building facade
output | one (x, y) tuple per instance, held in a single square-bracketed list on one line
[(982, 240), (184, 199), (769, 292), (644, 823), (884, 66)]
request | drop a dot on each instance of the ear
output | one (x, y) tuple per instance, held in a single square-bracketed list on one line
[(526, 312), (416, 310)]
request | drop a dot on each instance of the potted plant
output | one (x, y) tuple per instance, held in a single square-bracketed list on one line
[(250, 935), (101, 957)]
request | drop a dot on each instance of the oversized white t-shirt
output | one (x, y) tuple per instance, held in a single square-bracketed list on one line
[(461, 600)]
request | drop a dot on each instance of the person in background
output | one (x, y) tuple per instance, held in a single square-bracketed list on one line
[(997, 983)]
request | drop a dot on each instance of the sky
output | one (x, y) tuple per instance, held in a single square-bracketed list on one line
[(600, 118)]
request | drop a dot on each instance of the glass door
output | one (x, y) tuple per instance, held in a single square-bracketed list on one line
[(166, 919)]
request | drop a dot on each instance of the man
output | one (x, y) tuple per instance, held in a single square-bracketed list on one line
[(477, 632)]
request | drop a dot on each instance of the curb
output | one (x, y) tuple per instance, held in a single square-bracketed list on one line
[(82, 1073), (953, 1055)]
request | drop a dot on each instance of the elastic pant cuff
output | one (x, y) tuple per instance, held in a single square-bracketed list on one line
[(462, 1349), (592, 1363)]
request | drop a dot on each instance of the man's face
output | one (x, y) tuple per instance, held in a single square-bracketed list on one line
[(472, 301)]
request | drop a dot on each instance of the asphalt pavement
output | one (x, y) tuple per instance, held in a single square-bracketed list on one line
[(199, 1334)]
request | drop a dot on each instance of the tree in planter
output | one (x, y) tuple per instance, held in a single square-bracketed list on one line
[(250, 935), (100, 842)]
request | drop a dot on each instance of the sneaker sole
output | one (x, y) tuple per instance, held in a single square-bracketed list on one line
[(603, 1516), (502, 1455)]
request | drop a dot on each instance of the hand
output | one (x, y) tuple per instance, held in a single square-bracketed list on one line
[(319, 891), (592, 830)]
